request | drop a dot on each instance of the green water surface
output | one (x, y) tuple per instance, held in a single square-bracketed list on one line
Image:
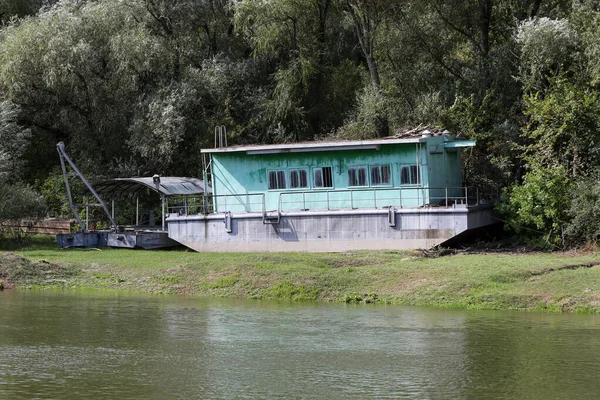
[(81, 345)]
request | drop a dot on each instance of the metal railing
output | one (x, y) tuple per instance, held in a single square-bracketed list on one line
[(370, 198), (375, 198), (211, 204)]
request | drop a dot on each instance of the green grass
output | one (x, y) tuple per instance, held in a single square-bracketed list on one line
[(534, 281)]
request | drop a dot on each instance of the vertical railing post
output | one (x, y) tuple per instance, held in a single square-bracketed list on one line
[(351, 200), (162, 198), (303, 201), (327, 197), (137, 210), (375, 197), (446, 196), (467, 196)]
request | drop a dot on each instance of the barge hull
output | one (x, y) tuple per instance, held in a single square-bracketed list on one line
[(328, 231)]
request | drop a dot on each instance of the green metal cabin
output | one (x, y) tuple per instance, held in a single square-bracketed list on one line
[(379, 173)]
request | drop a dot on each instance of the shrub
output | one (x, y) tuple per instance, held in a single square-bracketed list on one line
[(19, 203), (584, 211), (539, 205)]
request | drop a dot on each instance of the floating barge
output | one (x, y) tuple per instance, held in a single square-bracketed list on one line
[(145, 234)]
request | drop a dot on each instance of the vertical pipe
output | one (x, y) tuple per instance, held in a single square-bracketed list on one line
[(137, 210), (327, 193), (446, 196), (113, 209), (400, 196), (303, 201)]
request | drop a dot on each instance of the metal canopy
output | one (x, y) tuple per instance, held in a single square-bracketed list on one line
[(168, 186)]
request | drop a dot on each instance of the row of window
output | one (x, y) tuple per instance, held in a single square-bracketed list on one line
[(322, 177)]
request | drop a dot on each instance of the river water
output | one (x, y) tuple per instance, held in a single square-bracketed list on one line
[(82, 345)]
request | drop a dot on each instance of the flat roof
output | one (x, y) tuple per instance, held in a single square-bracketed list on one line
[(317, 146)]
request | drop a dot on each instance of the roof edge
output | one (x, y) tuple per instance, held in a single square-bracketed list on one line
[(314, 146)]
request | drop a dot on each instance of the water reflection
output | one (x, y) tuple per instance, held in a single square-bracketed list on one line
[(57, 345)]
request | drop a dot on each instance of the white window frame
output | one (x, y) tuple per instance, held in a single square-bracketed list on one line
[(314, 181), (279, 173), (357, 168), (410, 169), (305, 170), (380, 168)]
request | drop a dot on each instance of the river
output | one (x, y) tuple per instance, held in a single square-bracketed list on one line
[(88, 345)]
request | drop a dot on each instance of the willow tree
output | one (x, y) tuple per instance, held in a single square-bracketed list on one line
[(305, 39)]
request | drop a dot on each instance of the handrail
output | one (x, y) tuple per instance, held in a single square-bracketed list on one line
[(401, 200), (372, 198), (208, 204)]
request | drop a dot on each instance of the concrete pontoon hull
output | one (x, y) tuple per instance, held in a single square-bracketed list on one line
[(327, 231), (143, 240)]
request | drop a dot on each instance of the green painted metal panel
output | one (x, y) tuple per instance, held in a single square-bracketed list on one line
[(240, 180)]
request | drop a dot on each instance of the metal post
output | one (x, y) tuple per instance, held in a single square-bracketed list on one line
[(162, 198), (327, 193), (87, 214), (446, 196), (303, 201), (137, 210), (351, 200), (375, 197), (113, 209)]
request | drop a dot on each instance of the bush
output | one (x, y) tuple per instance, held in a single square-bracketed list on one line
[(584, 212), (539, 205), (19, 203)]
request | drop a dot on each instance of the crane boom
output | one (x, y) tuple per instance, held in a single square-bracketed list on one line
[(65, 158)]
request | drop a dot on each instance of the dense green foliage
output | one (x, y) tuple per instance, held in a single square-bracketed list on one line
[(136, 87)]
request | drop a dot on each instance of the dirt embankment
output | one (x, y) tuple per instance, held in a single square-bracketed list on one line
[(18, 270)]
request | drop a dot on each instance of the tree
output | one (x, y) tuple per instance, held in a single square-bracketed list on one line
[(299, 35), (366, 17)]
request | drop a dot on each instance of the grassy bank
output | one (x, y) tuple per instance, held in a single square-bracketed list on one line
[(533, 281)]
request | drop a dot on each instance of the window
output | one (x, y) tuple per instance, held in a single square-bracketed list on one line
[(357, 176), (277, 180), (381, 175), (323, 177), (409, 175), (298, 178)]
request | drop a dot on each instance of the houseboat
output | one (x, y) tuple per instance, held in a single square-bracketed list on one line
[(392, 193)]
